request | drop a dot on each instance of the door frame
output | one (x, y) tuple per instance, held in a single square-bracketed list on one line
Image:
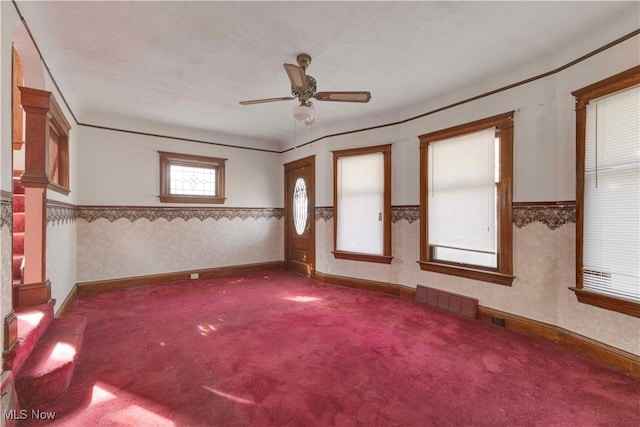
[(309, 161)]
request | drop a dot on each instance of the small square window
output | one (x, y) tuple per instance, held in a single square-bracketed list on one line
[(186, 178)]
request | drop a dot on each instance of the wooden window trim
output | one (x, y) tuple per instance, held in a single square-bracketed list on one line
[(503, 274), (356, 256), (583, 96), (386, 257), (18, 113), (167, 159), (60, 125)]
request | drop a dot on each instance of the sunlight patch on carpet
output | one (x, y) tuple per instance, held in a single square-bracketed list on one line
[(63, 351), (206, 329), (100, 395), (32, 318), (229, 396), (299, 298), (138, 416)]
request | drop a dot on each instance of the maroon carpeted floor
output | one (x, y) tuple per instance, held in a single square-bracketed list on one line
[(275, 349)]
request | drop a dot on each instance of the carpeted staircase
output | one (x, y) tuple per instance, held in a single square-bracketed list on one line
[(45, 354), (18, 234)]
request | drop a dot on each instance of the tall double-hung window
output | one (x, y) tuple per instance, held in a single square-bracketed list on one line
[(608, 193), (362, 203), (465, 199)]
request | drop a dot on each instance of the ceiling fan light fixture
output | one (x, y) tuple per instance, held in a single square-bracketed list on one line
[(304, 113), (303, 87)]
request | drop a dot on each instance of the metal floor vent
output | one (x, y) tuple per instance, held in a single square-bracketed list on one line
[(448, 301)]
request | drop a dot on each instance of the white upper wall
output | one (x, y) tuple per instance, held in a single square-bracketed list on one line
[(13, 32), (120, 168), (544, 139), (8, 17)]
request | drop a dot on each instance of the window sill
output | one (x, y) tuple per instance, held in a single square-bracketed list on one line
[(608, 302), (58, 188), (191, 199), (469, 273), (356, 256)]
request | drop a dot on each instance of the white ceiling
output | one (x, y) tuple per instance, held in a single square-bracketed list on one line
[(162, 67)]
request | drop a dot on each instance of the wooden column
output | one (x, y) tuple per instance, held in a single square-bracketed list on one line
[(35, 289)]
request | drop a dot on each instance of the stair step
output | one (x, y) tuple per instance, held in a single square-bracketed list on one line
[(16, 263), (32, 324), (17, 186), (18, 202), (48, 371), (18, 243), (18, 221)]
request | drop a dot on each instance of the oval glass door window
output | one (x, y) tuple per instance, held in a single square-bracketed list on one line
[(300, 204)]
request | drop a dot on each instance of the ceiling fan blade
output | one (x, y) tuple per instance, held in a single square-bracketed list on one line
[(343, 96), (296, 75), (261, 101)]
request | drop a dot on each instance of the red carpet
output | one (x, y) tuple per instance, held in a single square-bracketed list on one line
[(32, 324), (274, 349), (49, 369)]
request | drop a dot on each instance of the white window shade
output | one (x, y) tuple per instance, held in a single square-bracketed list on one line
[(611, 245), (360, 197), (462, 192)]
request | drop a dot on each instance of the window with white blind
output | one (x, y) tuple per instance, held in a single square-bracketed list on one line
[(362, 203), (466, 185), (608, 202)]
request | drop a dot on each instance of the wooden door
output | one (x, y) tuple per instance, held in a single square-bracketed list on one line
[(299, 216)]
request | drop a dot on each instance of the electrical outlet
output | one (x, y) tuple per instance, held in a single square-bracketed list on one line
[(194, 275), (498, 321)]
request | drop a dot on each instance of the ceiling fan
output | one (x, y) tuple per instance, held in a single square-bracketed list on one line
[(303, 87)]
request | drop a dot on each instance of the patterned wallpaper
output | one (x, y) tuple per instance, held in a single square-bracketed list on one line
[(114, 213), (325, 213), (410, 214), (6, 214), (57, 214), (553, 216)]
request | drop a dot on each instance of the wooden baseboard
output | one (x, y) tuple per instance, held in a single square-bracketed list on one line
[(519, 324), (615, 358), (31, 294), (68, 302), (369, 285), (132, 282)]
